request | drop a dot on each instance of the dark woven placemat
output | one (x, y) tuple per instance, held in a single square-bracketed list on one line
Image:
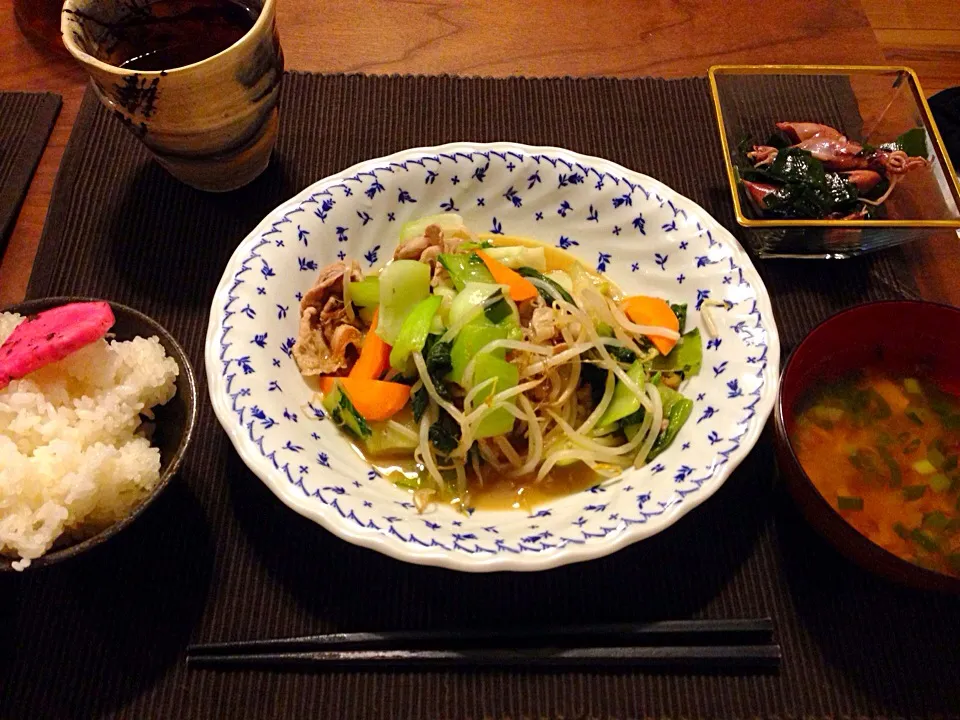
[(218, 557), (26, 120)]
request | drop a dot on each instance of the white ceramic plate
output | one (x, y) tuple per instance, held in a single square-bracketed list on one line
[(648, 238)]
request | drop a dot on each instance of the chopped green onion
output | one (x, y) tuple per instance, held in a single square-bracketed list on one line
[(865, 460), (845, 502), (901, 530), (896, 477), (913, 415), (913, 492), (912, 386), (941, 403), (953, 560), (924, 540), (935, 457), (952, 526), (935, 520), (940, 482), (881, 409), (924, 467), (825, 416)]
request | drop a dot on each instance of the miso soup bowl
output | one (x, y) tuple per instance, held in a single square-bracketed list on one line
[(896, 335)]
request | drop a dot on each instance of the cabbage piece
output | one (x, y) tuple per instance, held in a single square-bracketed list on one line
[(515, 256), (498, 422), (403, 284), (413, 333), (450, 223), (472, 295)]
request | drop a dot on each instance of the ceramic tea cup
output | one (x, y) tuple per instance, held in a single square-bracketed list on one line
[(211, 123)]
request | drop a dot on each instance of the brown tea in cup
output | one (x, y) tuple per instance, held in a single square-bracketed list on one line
[(181, 32)]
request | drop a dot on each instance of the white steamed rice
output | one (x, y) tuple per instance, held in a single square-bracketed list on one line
[(73, 456)]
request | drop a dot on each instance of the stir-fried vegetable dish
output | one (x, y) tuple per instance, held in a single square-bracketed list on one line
[(813, 171), (492, 360), (883, 450)]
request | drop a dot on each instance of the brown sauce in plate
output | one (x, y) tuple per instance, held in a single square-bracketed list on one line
[(497, 492)]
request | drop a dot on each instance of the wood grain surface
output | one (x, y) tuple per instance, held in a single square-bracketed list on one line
[(542, 38)]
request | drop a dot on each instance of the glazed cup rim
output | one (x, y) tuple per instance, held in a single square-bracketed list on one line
[(67, 19)]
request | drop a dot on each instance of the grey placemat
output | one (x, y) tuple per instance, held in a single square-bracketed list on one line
[(26, 120), (219, 557)]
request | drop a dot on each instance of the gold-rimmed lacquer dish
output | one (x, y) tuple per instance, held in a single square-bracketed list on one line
[(870, 107)]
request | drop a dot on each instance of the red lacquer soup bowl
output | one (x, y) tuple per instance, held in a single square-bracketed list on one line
[(898, 337)]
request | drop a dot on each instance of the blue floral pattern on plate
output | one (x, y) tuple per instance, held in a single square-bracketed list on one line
[(641, 233)]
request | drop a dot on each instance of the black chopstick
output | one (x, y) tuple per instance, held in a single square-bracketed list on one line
[(664, 633), (717, 657)]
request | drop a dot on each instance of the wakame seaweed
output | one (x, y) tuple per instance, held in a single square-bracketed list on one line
[(805, 188)]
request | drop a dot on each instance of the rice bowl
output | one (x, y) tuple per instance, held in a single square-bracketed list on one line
[(76, 455)]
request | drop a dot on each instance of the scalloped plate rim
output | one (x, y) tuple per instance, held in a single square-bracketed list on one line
[(568, 554)]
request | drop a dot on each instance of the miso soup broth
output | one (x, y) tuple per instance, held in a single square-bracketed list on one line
[(882, 449)]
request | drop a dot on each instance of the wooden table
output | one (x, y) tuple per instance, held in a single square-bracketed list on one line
[(539, 38)]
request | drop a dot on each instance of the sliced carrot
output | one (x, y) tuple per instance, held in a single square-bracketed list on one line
[(376, 399), (644, 310), (520, 288), (374, 356), (326, 383), (373, 399)]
